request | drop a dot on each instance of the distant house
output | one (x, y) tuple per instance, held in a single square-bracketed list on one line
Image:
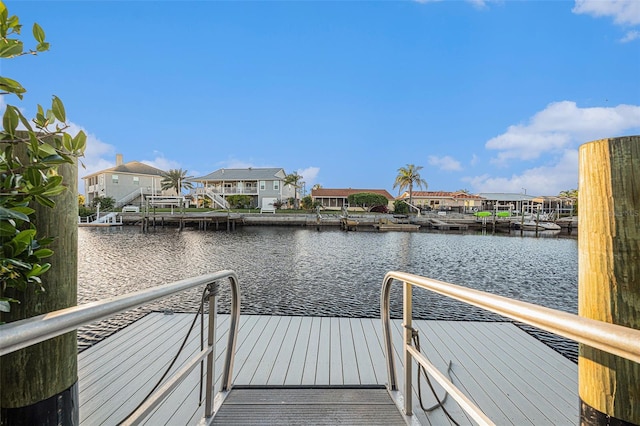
[(556, 205), (336, 198), (458, 201), (501, 201), (127, 183), (264, 185)]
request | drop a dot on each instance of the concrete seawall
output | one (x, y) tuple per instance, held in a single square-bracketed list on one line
[(365, 221)]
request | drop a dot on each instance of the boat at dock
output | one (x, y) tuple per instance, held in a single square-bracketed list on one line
[(534, 225)]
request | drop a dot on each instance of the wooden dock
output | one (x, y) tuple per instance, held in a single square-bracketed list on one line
[(446, 226), (512, 376)]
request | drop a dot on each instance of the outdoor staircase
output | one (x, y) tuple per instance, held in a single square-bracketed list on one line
[(217, 199)]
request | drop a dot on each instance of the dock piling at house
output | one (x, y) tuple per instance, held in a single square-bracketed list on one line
[(609, 274)]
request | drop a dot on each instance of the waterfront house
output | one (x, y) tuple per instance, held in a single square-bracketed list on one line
[(557, 206), (459, 201), (126, 183), (264, 185), (515, 203), (337, 198)]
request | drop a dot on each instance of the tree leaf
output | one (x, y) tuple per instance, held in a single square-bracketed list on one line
[(58, 109), (5, 306), (43, 47), (11, 86), (25, 122), (10, 48), (6, 214), (7, 229), (42, 253), (38, 33), (45, 201), (79, 142), (10, 120), (45, 150)]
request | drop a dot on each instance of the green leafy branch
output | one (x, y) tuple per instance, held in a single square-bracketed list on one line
[(31, 151)]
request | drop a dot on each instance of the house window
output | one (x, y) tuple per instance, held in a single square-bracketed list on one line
[(114, 178), (276, 185), (263, 185), (136, 180)]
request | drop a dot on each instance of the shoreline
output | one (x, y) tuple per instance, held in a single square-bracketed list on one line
[(366, 222)]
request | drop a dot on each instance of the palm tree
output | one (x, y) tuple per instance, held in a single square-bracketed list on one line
[(293, 179), (407, 178), (176, 179)]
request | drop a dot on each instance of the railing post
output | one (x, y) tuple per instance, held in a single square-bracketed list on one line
[(211, 342), (407, 313), (609, 275)]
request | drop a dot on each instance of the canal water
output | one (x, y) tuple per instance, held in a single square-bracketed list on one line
[(301, 271)]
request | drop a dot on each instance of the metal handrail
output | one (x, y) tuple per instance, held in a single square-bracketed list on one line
[(21, 334), (612, 338)]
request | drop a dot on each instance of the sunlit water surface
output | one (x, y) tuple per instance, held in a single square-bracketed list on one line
[(300, 271)]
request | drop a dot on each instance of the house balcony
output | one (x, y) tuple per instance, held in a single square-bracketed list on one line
[(228, 191)]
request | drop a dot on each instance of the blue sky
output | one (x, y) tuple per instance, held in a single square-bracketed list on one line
[(489, 96)]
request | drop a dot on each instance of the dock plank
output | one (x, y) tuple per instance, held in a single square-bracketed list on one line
[(508, 373)]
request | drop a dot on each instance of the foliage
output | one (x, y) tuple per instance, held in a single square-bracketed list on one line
[(239, 201), (106, 203), (573, 195), (308, 204), (367, 200), (278, 204), (294, 179), (84, 211), (408, 177), (400, 207), (316, 186), (81, 200), (29, 159), (176, 179), (379, 209)]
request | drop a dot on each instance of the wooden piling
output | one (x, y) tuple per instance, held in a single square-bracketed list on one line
[(39, 383), (609, 274)]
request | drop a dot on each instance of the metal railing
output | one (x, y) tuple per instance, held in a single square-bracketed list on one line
[(615, 339), (21, 334)]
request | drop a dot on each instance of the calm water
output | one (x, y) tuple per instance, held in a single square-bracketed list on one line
[(298, 271)]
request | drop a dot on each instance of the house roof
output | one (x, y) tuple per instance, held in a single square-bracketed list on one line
[(242, 174), (345, 192), (132, 167), (458, 195)]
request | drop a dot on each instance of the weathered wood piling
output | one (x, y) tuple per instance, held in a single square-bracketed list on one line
[(40, 383), (609, 274)]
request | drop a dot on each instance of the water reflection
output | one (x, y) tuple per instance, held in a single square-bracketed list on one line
[(297, 271)]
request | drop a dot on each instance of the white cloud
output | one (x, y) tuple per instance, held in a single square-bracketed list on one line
[(162, 163), (630, 36), (624, 12), (94, 154), (544, 180), (560, 126), (309, 175), (445, 163)]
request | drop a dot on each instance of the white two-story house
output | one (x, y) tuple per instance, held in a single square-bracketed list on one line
[(263, 185), (127, 183)]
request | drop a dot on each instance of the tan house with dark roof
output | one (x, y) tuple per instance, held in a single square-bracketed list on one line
[(458, 201), (336, 198), (127, 183)]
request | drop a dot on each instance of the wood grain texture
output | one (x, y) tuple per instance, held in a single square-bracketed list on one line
[(609, 268)]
